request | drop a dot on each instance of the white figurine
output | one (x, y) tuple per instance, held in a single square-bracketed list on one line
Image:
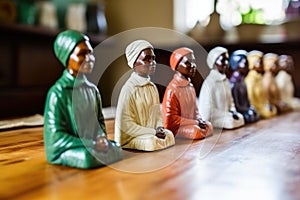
[(215, 101)]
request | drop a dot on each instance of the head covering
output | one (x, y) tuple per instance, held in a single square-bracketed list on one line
[(134, 49), (177, 55), (236, 57), (286, 62), (213, 55), (65, 43), (253, 56), (269, 59)]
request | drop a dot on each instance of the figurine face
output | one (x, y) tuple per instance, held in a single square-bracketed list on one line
[(286, 63), (187, 66), (258, 66), (271, 65), (145, 64), (82, 59), (275, 68), (243, 67), (222, 63)]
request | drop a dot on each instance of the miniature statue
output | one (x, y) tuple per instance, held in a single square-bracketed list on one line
[(215, 100), (74, 129), (285, 82), (240, 68), (270, 87), (255, 90), (138, 123), (180, 111)]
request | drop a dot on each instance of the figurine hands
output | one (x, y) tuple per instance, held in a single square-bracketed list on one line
[(202, 123), (160, 132), (235, 115), (102, 144), (270, 107), (283, 105)]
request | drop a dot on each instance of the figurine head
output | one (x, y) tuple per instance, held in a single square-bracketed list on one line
[(238, 62), (254, 58), (270, 63), (183, 61), (74, 51), (286, 63), (65, 43), (218, 58), (140, 56)]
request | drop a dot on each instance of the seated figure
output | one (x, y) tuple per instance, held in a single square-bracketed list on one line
[(269, 82), (215, 100), (138, 123), (180, 111), (74, 129), (285, 82), (240, 68), (254, 85)]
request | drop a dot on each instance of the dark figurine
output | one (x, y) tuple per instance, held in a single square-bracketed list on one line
[(180, 110), (239, 67), (74, 129)]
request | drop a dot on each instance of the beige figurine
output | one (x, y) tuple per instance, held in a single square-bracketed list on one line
[(270, 87), (285, 82), (255, 90), (139, 123)]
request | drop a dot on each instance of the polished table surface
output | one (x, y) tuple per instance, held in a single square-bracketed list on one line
[(258, 161)]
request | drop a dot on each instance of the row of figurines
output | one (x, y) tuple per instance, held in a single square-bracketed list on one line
[(74, 128)]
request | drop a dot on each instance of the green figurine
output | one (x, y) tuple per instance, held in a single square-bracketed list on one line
[(74, 129)]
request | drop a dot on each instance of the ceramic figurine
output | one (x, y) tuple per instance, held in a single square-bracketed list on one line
[(74, 129), (180, 111), (254, 85), (138, 123), (285, 83), (215, 99), (270, 87), (240, 68)]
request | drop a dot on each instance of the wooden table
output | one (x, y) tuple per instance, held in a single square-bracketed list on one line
[(258, 161)]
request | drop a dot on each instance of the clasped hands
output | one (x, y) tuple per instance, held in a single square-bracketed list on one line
[(101, 144), (235, 115), (201, 123), (160, 132)]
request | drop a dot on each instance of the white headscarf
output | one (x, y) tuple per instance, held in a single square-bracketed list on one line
[(213, 55), (134, 49)]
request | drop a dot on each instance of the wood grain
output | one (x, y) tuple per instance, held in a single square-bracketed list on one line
[(258, 161)]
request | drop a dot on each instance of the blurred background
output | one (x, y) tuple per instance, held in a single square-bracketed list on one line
[(28, 28)]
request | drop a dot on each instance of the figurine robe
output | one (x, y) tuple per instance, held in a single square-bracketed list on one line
[(216, 103), (287, 90), (180, 110), (241, 100), (73, 120), (257, 96), (138, 115), (269, 83)]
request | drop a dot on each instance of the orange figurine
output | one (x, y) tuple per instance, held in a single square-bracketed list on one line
[(180, 110)]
